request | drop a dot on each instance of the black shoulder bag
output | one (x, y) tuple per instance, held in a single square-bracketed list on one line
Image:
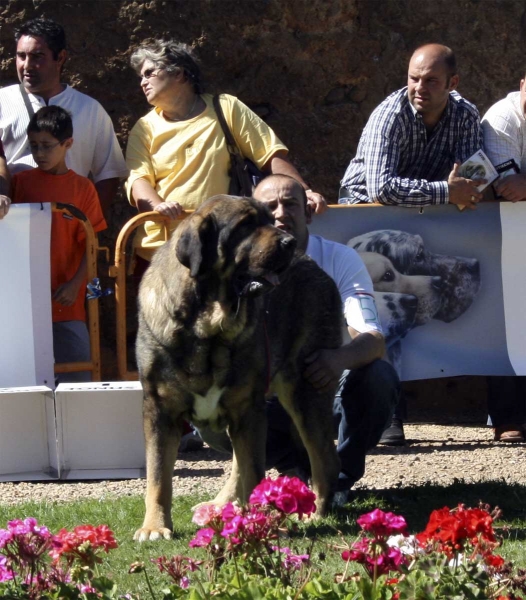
[(244, 174), (27, 102)]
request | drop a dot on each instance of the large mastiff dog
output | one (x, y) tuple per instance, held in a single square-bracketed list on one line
[(211, 342)]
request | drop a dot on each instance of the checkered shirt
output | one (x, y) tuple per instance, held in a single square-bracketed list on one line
[(398, 163)]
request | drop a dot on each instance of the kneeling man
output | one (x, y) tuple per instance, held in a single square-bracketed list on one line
[(369, 387)]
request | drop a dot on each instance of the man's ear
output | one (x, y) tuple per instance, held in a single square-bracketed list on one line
[(68, 143), (453, 82), (308, 213), (61, 59)]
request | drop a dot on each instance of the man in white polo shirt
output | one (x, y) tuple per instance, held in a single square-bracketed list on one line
[(504, 129), (369, 388), (40, 56)]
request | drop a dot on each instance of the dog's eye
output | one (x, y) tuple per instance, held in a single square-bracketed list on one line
[(388, 276), (420, 256)]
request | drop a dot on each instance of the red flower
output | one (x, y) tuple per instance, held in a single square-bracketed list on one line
[(454, 528), (83, 542)]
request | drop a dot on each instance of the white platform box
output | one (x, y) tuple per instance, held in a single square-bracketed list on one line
[(28, 442), (99, 430)]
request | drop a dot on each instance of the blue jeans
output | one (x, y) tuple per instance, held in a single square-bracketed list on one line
[(363, 407), (71, 343)]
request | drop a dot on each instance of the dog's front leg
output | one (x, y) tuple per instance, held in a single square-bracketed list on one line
[(248, 434), (162, 437), (311, 413)]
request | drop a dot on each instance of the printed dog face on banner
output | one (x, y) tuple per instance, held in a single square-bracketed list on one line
[(460, 276), (386, 278), (397, 313), (443, 287)]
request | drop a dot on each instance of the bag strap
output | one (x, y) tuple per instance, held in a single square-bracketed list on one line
[(230, 142), (27, 102)]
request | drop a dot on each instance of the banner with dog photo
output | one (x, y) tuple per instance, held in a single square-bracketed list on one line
[(449, 285)]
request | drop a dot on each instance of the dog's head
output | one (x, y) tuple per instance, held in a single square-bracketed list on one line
[(460, 275), (397, 314), (386, 278), (234, 241)]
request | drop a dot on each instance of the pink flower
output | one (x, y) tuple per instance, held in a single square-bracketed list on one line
[(202, 538), (6, 574), (382, 524), (205, 513), (292, 561), (288, 494), (233, 527), (375, 557), (229, 511), (287, 503), (177, 568)]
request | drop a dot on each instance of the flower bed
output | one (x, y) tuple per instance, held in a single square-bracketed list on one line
[(251, 552)]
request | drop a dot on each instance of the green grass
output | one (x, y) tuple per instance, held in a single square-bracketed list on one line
[(124, 515)]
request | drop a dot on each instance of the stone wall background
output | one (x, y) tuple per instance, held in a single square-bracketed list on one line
[(314, 69)]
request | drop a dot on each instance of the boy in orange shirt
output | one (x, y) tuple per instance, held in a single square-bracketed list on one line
[(50, 132)]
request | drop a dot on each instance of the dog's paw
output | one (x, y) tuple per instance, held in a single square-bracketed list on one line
[(144, 534)]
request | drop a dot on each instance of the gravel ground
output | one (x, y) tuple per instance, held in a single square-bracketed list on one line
[(435, 453)]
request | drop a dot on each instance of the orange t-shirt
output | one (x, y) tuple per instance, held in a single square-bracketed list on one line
[(68, 239)]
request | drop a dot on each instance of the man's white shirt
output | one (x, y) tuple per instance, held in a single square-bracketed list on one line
[(95, 149), (346, 268), (504, 128)]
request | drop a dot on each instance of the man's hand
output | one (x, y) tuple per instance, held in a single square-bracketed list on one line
[(512, 188), (67, 293), (170, 209), (316, 201), (5, 203), (324, 369), (463, 191)]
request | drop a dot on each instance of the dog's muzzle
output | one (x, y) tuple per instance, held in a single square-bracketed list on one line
[(247, 285)]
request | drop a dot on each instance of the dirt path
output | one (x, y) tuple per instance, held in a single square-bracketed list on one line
[(435, 453)]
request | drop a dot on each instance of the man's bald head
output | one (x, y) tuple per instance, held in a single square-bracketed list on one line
[(437, 54), (287, 201), (430, 78)]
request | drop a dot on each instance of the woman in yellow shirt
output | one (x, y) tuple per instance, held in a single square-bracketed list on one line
[(177, 153)]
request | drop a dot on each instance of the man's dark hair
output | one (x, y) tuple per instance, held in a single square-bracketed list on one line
[(53, 119), (450, 60), (51, 32)]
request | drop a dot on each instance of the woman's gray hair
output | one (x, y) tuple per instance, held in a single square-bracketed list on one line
[(172, 56)]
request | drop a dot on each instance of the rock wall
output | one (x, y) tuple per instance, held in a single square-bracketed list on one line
[(314, 69)]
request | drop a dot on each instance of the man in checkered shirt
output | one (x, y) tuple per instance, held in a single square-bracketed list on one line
[(414, 141)]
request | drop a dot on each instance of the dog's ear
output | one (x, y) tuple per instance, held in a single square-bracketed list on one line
[(197, 245)]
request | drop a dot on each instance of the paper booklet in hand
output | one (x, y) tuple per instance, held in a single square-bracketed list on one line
[(476, 167)]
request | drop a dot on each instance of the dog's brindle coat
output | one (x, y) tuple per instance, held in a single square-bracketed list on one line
[(203, 355)]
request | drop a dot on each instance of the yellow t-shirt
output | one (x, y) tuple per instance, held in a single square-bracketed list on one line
[(187, 161)]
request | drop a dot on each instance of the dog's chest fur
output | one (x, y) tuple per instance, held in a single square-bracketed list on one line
[(208, 367)]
